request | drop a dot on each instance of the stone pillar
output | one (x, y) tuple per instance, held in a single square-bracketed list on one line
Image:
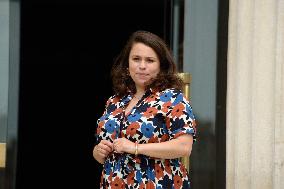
[(255, 95)]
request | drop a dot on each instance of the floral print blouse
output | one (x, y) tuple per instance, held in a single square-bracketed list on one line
[(157, 117)]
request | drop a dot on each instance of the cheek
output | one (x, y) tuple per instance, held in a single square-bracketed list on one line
[(131, 70), (157, 68), (131, 65), (155, 71)]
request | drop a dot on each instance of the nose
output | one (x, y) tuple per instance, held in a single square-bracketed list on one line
[(142, 65)]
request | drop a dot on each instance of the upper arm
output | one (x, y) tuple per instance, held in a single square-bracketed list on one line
[(181, 119)]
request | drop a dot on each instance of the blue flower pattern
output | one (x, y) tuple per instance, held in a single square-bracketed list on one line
[(152, 127)]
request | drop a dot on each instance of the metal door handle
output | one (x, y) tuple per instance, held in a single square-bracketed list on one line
[(2, 155)]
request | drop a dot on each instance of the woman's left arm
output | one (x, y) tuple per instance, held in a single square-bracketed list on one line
[(175, 148)]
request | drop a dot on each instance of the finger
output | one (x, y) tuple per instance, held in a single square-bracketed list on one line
[(115, 142), (106, 142), (97, 150), (106, 145), (118, 148), (103, 152), (107, 148), (116, 145)]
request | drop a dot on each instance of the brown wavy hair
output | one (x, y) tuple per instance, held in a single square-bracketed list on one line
[(166, 78)]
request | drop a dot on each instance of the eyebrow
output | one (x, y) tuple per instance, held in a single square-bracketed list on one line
[(152, 57)]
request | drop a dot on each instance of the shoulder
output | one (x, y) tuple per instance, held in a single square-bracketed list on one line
[(174, 95), (171, 92), (112, 99)]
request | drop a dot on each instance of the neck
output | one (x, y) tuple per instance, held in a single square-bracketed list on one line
[(139, 92)]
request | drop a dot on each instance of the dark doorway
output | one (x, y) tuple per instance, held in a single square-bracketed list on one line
[(67, 48)]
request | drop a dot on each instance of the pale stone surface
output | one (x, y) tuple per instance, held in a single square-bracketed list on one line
[(255, 95)]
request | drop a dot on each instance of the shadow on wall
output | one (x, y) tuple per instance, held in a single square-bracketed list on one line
[(3, 125), (9, 171), (203, 157), (2, 174), (7, 176)]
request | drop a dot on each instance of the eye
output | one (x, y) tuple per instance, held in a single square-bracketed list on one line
[(135, 59), (150, 60)]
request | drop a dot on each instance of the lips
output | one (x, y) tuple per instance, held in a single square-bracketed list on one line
[(142, 74)]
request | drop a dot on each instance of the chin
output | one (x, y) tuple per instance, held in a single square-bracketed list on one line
[(140, 83)]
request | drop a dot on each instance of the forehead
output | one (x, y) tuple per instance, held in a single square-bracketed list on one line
[(142, 49)]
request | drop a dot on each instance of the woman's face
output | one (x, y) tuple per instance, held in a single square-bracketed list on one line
[(144, 64)]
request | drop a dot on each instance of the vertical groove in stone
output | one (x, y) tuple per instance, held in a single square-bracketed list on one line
[(278, 175), (231, 98)]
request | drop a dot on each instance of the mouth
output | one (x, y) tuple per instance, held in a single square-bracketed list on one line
[(142, 74)]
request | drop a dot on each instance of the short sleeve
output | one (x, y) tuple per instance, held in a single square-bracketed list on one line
[(180, 117)]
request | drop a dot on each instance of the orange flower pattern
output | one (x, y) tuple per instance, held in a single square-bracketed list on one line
[(157, 117)]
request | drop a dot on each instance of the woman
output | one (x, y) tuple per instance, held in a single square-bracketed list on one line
[(148, 124)]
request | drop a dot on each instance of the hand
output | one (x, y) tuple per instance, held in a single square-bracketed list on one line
[(122, 145), (102, 150)]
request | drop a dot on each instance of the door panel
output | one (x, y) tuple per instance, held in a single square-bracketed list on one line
[(67, 48)]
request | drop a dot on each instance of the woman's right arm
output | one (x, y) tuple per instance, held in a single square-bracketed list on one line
[(104, 147), (102, 150)]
